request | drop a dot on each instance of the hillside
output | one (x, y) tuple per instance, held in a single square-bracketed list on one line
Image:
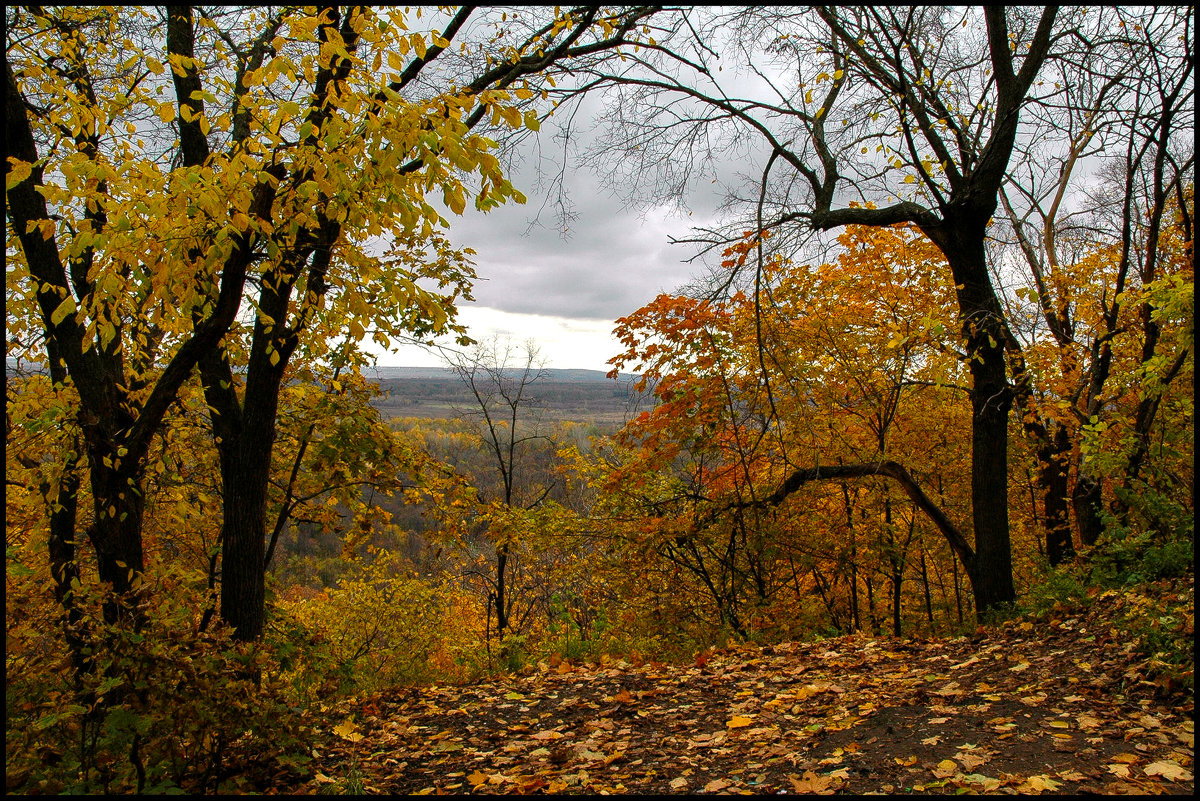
[(577, 395), (1068, 703)]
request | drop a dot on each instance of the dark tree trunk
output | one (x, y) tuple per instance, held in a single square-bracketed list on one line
[(116, 531), (243, 593), (925, 586), (501, 591), (1087, 499), (247, 442), (960, 239), (1053, 461)]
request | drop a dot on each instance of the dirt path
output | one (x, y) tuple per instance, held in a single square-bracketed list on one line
[(1060, 706)]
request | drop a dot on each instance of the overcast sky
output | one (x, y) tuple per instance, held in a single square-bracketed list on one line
[(564, 291)]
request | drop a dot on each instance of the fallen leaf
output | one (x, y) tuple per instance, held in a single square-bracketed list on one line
[(1119, 770), (910, 760), (477, 778), (1039, 784), (812, 784), (971, 761), (738, 722), (347, 731), (987, 782), (1168, 770), (679, 784), (716, 786), (547, 735)]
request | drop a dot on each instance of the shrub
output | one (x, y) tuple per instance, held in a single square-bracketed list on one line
[(163, 707)]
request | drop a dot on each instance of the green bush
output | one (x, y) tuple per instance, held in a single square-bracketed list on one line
[(161, 708)]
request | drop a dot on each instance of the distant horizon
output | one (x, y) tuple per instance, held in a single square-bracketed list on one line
[(11, 361), (431, 371)]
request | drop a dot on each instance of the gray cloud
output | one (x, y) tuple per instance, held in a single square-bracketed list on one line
[(611, 260)]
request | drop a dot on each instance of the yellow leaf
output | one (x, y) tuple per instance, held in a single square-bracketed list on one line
[(738, 722), (347, 731), (17, 171), (1042, 783), (1168, 770), (455, 200), (64, 308), (948, 765)]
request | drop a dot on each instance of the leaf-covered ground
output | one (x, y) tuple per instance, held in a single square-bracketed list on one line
[(1064, 704)]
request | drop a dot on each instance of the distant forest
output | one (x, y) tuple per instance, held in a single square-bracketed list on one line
[(582, 396)]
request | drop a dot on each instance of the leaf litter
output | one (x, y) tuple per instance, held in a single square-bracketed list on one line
[(1061, 706)]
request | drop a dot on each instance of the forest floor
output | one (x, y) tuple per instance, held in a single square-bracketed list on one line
[(1060, 704)]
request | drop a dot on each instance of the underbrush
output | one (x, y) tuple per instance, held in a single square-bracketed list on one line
[(153, 706), (1142, 583)]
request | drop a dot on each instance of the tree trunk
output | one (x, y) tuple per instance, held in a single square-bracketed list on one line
[(1053, 460), (1087, 498), (243, 593), (925, 586), (116, 531), (501, 591), (960, 239)]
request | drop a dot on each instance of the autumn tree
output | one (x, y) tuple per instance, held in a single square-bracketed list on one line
[(1095, 247), (854, 351), (867, 116), (202, 190), (506, 415)]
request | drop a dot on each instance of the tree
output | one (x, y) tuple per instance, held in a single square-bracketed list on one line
[(847, 364), (1091, 250), (868, 116), (222, 227), (505, 409)]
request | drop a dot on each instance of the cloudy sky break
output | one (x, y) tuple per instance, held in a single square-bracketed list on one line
[(564, 291)]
